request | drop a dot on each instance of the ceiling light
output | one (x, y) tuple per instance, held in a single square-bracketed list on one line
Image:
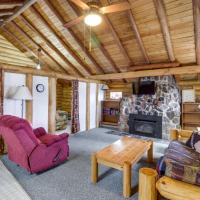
[(93, 19), (38, 66)]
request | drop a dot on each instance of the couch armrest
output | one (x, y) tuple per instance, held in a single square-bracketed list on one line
[(50, 139), (39, 132)]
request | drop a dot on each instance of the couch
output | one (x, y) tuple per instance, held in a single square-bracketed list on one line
[(62, 118), (173, 189), (32, 149)]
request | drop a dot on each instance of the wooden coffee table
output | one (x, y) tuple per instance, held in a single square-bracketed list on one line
[(122, 155)]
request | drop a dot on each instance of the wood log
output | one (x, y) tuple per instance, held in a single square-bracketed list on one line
[(29, 104), (20, 10), (177, 190), (34, 71), (147, 184), (87, 106), (127, 180), (94, 169), (52, 105), (154, 66), (156, 72), (173, 134)]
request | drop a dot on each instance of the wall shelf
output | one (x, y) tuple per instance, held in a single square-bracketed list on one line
[(190, 116)]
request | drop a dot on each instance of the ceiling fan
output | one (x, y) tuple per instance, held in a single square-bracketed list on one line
[(93, 12)]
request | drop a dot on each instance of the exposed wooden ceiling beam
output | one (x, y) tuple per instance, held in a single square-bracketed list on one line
[(117, 40), (155, 72), (33, 71), (196, 13), (116, 37), (12, 3), (78, 41), (160, 9), (31, 26), (20, 10), (37, 46), (154, 66), (83, 66), (6, 12), (137, 36), (93, 35)]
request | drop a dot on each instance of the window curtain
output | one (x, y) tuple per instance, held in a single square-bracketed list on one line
[(75, 107), (1, 109), (1, 92)]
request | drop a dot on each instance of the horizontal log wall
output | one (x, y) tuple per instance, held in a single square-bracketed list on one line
[(64, 97), (125, 88)]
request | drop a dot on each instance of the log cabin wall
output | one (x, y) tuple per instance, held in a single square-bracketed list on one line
[(64, 97), (125, 88), (9, 54)]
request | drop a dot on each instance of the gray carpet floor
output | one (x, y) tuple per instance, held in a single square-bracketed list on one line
[(71, 180)]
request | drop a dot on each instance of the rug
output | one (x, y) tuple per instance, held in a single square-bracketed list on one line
[(71, 180), (122, 133)]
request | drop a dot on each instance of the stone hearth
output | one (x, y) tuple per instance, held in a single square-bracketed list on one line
[(165, 102)]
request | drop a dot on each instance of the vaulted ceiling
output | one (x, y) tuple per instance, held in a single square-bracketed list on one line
[(152, 31)]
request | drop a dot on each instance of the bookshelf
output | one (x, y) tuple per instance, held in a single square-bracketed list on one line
[(110, 112), (190, 116)]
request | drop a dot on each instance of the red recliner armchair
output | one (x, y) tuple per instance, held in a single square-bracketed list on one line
[(34, 150)]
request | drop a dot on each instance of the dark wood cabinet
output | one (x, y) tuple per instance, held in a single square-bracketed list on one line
[(110, 112)]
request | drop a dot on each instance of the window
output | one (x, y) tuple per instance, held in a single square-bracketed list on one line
[(115, 95)]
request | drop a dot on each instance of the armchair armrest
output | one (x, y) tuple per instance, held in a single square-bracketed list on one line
[(181, 135), (39, 132), (50, 139)]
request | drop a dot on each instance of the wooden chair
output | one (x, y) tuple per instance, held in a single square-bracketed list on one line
[(170, 188)]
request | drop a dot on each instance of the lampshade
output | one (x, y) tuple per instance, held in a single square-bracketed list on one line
[(105, 87), (22, 93)]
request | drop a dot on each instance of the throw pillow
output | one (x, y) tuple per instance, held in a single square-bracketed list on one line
[(194, 141), (182, 172)]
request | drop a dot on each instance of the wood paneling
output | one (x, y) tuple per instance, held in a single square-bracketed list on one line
[(29, 104), (125, 88), (123, 37), (64, 96), (156, 72), (9, 54), (52, 105)]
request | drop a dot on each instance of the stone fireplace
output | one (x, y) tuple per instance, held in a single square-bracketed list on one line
[(145, 125), (165, 103)]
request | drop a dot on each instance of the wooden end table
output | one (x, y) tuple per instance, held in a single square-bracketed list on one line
[(122, 155)]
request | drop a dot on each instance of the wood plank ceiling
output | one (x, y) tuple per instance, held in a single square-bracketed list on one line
[(152, 31)]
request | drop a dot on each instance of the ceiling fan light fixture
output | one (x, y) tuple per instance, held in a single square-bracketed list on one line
[(93, 19)]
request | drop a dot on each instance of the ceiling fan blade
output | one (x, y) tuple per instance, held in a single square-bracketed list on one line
[(81, 4), (74, 22), (115, 8)]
